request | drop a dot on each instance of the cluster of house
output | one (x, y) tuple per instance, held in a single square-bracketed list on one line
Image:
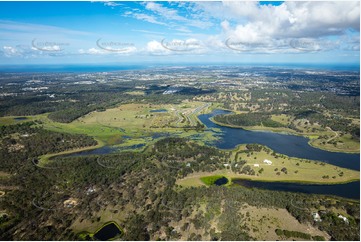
[(317, 218)]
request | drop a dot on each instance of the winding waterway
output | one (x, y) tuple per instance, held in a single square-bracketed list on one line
[(291, 145)]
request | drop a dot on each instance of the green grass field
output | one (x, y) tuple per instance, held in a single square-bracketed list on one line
[(298, 170), (128, 124)]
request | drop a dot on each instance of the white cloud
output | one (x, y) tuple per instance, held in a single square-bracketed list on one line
[(156, 13), (148, 18), (250, 26), (10, 51), (290, 19), (111, 4), (92, 51), (47, 48), (155, 47), (110, 51), (176, 47)]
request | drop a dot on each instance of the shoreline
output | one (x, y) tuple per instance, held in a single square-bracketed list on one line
[(44, 159), (286, 132), (232, 177)]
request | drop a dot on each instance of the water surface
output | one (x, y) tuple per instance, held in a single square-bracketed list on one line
[(108, 232), (20, 118), (348, 190), (158, 111), (290, 145)]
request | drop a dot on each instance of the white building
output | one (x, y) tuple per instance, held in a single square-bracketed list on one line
[(316, 217), (343, 218), (268, 162), (256, 165)]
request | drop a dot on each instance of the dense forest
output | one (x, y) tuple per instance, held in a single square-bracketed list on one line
[(23, 142), (249, 119)]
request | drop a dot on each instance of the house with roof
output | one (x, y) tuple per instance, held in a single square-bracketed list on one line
[(268, 162), (343, 218), (316, 217)]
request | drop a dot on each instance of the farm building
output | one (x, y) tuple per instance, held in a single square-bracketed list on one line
[(343, 218)]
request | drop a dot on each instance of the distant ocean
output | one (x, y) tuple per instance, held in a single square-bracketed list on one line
[(118, 67), (68, 68)]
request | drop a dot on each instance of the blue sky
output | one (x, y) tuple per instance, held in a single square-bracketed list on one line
[(179, 32)]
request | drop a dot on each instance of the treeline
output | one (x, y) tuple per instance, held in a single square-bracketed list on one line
[(249, 119), (297, 234)]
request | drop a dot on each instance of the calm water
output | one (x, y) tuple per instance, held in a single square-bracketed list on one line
[(348, 190), (69, 68), (108, 232), (291, 145), (104, 150), (221, 181), (159, 111), (20, 118)]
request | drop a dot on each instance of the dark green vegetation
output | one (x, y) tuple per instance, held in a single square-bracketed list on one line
[(295, 234), (139, 189), (24, 142), (211, 180), (250, 119)]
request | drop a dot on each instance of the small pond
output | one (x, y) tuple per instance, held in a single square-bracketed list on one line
[(108, 232), (159, 111), (221, 181), (20, 118)]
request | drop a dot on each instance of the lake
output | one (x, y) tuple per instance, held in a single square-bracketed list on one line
[(290, 145)]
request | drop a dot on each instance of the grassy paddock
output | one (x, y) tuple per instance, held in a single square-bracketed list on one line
[(10, 120), (127, 125), (298, 170)]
